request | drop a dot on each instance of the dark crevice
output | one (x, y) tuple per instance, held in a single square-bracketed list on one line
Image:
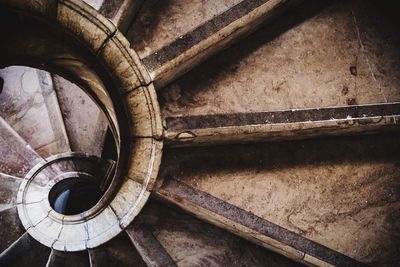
[(1, 84), (109, 148)]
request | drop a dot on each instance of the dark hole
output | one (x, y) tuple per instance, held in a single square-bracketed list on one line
[(74, 195), (1, 84), (109, 149)]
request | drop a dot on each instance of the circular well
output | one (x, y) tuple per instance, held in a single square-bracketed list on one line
[(74, 195)]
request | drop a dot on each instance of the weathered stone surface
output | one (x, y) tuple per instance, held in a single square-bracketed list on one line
[(99, 226), (269, 181), (23, 252), (160, 23), (123, 64), (129, 201), (73, 237), (46, 229), (192, 48), (120, 12), (143, 110), (92, 29), (144, 161), (84, 121), (316, 188), (228, 217), (191, 242), (34, 213), (88, 80), (62, 232), (34, 193), (30, 106), (282, 125), (152, 252), (9, 220), (78, 259), (117, 252), (16, 156), (302, 60), (8, 191)]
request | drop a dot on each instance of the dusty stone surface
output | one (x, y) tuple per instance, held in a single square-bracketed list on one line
[(343, 54), (85, 123), (127, 195), (32, 251), (191, 242), (16, 156), (91, 29), (152, 252), (30, 106), (192, 48), (118, 252), (8, 191), (315, 188), (144, 150), (161, 22), (120, 12), (10, 218), (340, 192), (78, 259), (140, 105), (291, 124)]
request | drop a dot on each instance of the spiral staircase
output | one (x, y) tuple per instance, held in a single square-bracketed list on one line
[(199, 133)]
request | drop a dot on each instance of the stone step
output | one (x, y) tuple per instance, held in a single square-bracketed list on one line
[(331, 200), (85, 123), (24, 252), (17, 157), (30, 106), (11, 229), (76, 259), (172, 37), (117, 252), (9, 186)]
